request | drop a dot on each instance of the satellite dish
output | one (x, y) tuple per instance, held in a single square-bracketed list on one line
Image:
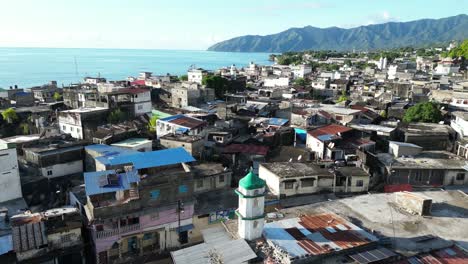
[(299, 158)]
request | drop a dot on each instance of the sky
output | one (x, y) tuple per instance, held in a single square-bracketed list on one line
[(191, 25)]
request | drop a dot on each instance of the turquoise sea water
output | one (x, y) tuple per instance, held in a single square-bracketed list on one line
[(27, 67)]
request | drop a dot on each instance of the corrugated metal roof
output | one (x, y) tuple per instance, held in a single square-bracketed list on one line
[(277, 121), (332, 129), (246, 148), (93, 185), (230, 251), (374, 255), (185, 121), (316, 235)]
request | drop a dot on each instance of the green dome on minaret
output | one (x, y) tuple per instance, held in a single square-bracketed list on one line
[(251, 181)]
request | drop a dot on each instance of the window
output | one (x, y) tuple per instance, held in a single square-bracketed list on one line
[(199, 183), (78, 130), (64, 128), (99, 227), (255, 224), (289, 184), (71, 129), (140, 107), (133, 220), (221, 178), (460, 176), (49, 172), (154, 194), (359, 183), (255, 202), (308, 182)]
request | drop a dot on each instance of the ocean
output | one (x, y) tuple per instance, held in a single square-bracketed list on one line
[(27, 67)]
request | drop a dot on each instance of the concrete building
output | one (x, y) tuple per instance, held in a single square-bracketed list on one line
[(141, 204), (81, 122), (289, 179), (54, 158), (191, 94), (194, 145), (251, 194), (301, 71), (196, 75), (180, 124), (276, 82), (210, 176), (10, 179), (137, 101), (427, 135), (409, 165), (459, 123), (137, 144), (53, 236)]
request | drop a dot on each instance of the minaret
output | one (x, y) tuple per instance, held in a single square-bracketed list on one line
[(251, 214), (233, 72)]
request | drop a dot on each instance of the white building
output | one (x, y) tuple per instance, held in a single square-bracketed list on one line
[(179, 124), (301, 71), (446, 69), (382, 63), (72, 121), (251, 194), (196, 75), (289, 179), (275, 82), (9, 179), (460, 123)]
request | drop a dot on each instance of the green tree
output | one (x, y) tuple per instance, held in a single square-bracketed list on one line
[(57, 96), (343, 97), (152, 123), (183, 77), (24, 128), (460, 51), (301, 82), (216, 82), (423, 112), (10, 115), (116, 116)]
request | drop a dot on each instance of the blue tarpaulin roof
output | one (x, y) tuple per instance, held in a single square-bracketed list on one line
[(93, 181), (142, 160), (277, 121), (326, 137), (6, 244)]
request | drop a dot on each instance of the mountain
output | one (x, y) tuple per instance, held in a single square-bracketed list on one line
[(380, 36)]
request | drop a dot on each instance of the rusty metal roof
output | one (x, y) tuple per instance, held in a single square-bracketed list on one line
[(332, 130), (313, 235), (184, 121)]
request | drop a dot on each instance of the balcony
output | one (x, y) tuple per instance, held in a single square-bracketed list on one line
[(117, 231)]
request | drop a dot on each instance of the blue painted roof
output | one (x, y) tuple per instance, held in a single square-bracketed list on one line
[(92, 181), (277, 121), (106, 150), (325, 137), (157, 158), (170, 118)]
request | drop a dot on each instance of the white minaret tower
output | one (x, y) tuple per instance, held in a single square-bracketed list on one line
[(251, 213), (233, 71)]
